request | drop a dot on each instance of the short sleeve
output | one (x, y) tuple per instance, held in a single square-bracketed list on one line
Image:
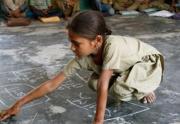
[(76, 64), (111, 56), (72, 66)]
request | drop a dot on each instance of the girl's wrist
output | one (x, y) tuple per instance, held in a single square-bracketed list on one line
[(98, 121), (19, 103)]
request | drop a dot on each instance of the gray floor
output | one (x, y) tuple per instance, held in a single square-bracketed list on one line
[(31, 55)]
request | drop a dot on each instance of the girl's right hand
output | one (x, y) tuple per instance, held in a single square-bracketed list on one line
[(9, 112)]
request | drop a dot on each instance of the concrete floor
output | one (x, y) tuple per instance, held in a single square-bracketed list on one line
[(31, 55)]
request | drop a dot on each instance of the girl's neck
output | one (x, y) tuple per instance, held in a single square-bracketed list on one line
[(97, 57)]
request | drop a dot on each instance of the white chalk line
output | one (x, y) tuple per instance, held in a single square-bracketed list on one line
[(3, 103), (131, 114), (109, 112), (17, 84), (86, 98), (34, 118), (85, 81), (134, 113), (16, 75), (158, 35), (10, 93), (92, 104), (75, 104), (115, 118), (35, 104), (29, 69), (25, 107), (138, 105), (123, 116), (20, 84)]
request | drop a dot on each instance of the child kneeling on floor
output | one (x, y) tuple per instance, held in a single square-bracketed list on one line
[(135, 67), (15, 12)]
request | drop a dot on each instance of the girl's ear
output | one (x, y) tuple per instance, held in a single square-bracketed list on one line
[(99, 40)]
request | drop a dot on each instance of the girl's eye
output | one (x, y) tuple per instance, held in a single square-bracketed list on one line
[(75, 43)]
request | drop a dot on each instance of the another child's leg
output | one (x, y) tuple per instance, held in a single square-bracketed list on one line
[(118, 7), (18, 22), (106, 8), (134, 6), (4, 10)]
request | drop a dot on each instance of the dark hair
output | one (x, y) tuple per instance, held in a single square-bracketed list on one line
[(88, 24)]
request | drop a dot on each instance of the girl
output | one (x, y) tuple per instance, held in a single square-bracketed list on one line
[(123, 66)]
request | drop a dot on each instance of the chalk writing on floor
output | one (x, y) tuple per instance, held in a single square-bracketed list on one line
[(69, 84), (112, 112), (12, 92)]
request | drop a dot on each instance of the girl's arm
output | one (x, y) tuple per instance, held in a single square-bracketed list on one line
[(102, 93), (40, 91)]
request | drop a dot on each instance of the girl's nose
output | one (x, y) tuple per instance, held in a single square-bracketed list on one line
[(72, 47)]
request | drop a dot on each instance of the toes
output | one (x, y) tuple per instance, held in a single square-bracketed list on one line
[(145, 100), (149, 98)]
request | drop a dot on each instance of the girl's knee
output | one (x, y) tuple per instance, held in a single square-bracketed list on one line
[(92, 83), (121, 92)]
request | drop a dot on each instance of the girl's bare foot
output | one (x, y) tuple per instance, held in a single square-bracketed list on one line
[(149, 98)]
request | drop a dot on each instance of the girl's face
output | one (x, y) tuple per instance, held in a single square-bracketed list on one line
[(81, 46)]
